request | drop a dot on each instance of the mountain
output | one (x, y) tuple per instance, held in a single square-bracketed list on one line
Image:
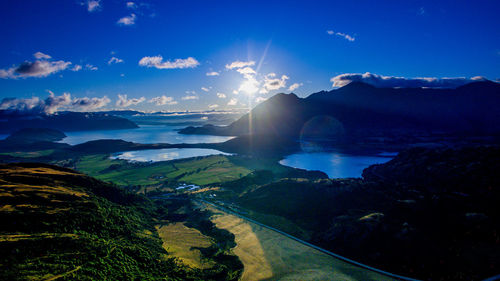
[(32, 139), (359, 109), (64, 121), (60, 224)]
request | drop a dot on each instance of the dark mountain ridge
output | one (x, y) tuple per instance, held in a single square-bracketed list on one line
[(363, 110)]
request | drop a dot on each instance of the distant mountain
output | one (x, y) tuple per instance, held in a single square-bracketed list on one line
[(64, 121), (32, 139), (363, 110)]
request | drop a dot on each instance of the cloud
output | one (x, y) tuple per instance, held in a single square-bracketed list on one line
[(205, 89), (232, 102), (163, 100), (90, 104), (239, 64), (93, 5), (91, 67), (38, 68), (124, 101), (114, 60), (344, 35), (40, 55), (221, 95), (295, 86), (190, 97), (77, 67), (131, 5), (212, 106), (403, 82), (157, 62), (213, 73), (128, 20), (246, 71), (52, 104), (271, 83)]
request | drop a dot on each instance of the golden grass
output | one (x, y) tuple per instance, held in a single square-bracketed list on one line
[(18, 237), (179, 239), (267, 254)]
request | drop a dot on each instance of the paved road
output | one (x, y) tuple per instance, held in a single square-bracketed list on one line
[(226, 210)]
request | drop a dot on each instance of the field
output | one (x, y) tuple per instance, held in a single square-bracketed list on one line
[(199, 170), (181, 241), (269, 255)]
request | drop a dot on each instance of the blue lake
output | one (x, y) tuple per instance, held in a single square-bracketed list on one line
[(143, 134), (156, 155), (335, 165)]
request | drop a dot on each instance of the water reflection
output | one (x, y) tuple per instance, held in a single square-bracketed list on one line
[(335, 165), (156, 155)]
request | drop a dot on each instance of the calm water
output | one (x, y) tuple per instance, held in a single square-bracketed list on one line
[(144, 134), (166, 154), (335, 165)]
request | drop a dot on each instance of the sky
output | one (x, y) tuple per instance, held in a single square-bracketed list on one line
[(87, 55)]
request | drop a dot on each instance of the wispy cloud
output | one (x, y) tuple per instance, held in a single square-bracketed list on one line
[(91, 67), (272, 83), (213, 73), (343, 35), (232, 102), (114, 60), (239, 64), (131, 5), (394, 81), (124, 101), (53, 103), (295, 86), (163, 100), (128, 20), (93, 5), (157, 62), (42, 67), (188, 97), (205, 89), (221, 95), (260, 99), (76, 68), (212, 106)]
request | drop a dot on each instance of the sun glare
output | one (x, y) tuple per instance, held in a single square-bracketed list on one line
[(250, 86)]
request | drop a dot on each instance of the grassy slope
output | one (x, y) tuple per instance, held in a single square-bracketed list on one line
[(61, 224)]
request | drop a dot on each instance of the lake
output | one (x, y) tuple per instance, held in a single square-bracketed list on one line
[(143, 134), (156, 155), (335, 165)]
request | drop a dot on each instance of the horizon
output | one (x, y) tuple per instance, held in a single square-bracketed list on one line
[(232, 56)]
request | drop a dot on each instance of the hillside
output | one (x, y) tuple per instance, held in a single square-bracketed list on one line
[(60, 224), (431, 214), (360, 109)]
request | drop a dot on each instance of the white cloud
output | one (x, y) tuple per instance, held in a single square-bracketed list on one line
[(246, 71), (40, 55), (131, 5), (93, 5), (128, 20), (157, 62), (38, 68), (294, 86), (344, 35), (221, 95), (163, 100), (91, 67), (239, 64), (213, 106), (77, 67), (114, 60), (393, 81), (271, 83), (213, 73), (232, 102), (124, 101), (190, 97), (205, 89), (52, 104)]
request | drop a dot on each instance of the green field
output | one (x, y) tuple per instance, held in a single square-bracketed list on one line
[(199, 170)]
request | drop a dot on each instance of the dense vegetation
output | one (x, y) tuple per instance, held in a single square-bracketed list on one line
[(57, 223), (428, 213)]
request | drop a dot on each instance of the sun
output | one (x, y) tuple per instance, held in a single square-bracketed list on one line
[(250, 86)]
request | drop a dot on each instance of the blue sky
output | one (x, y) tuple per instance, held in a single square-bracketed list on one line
[(281, 46)]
